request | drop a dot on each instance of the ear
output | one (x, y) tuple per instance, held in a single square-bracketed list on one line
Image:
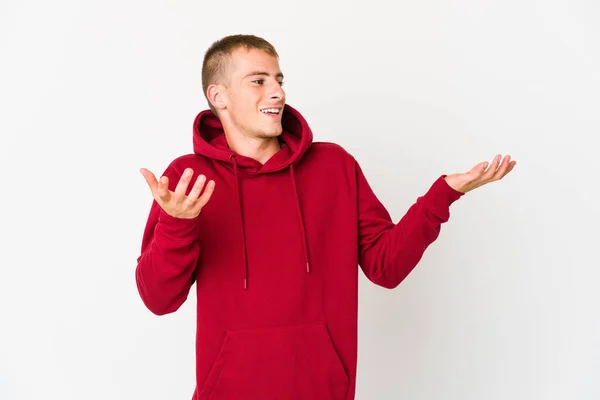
[(217, 96)]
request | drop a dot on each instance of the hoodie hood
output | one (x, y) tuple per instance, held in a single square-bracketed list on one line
[(209, 141)]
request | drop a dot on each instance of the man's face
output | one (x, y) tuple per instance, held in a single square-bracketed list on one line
[(253, 95)]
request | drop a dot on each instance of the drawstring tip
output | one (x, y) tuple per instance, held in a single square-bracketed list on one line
[(245, 283), (307, 267)]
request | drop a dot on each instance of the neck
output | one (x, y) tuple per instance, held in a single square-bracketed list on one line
[(260, 149)]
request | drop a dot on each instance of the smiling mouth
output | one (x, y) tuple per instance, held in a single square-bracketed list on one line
[(271, 111)]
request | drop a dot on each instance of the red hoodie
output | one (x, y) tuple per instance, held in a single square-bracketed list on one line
[(275, 256)]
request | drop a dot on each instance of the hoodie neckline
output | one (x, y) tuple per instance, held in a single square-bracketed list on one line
[(209, 141), (249, 166)]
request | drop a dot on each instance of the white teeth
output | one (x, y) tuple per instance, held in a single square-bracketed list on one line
[(270, 110)]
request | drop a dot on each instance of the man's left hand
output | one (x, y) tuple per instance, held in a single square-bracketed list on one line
[(480, 174)]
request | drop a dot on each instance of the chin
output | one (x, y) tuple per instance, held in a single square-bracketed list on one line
[(270, 132), (269, 135)]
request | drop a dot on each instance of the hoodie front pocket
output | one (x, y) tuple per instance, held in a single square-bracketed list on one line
[(291, 363)]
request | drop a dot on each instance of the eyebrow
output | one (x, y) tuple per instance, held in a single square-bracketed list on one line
[(262, 73)]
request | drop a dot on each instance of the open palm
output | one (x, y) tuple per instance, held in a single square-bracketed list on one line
[(176, 203), (481, 175)]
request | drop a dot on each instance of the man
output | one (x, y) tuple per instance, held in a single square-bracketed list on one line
[(272, 229)]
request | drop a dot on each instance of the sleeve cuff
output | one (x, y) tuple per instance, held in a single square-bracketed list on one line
[(179, 228), (440, 197)]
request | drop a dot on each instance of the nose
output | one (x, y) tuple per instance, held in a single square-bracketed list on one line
[(277, 92)]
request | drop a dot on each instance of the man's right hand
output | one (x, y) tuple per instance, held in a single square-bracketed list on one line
[(176, 203)]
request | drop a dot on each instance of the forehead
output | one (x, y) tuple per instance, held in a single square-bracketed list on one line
[(244, 61)]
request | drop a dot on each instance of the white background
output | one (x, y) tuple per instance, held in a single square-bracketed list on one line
[(505, 305)]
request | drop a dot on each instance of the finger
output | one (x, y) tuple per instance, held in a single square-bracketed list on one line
[(512, 165), (202, 200), (183, 183), (162, 192), (479, 169), (196, 189), (476, 174), (487, 176), (150, 179), (503, 170), (509, 168)]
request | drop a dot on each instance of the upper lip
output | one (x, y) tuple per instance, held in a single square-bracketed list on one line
[(277, 107)]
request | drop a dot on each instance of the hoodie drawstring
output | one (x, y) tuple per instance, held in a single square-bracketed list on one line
[(304, 239), (239, 196), (241, 210)]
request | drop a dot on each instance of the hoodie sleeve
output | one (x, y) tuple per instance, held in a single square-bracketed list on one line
[(170, 250), (388, 252)]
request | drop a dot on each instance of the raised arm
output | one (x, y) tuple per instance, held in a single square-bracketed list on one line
[(170, 248), (388, 251)]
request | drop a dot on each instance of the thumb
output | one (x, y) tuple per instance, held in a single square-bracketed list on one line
[(479, 168), (150, 179)]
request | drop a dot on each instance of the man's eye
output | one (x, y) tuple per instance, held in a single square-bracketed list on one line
[(259, 81)]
